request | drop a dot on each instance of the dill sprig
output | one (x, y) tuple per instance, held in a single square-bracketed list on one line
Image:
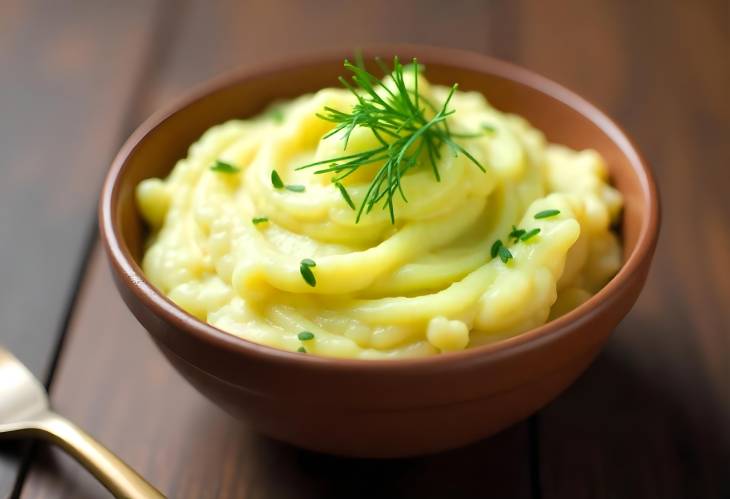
[(398, 118)]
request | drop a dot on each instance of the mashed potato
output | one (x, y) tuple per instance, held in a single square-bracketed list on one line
[(463, 265)]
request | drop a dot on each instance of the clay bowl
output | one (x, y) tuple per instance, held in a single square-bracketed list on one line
[(379, 408)]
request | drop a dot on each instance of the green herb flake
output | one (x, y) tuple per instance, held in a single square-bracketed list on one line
[(309, 262), (276, 180), (495, 248), (295, 188), (490, 129), (277, 115), (305, 336), (302, 350), (223, 167), (529, 234), (259, 220), (516, 233), (546, 214), (307, 274), (345, 195), (504, 254)]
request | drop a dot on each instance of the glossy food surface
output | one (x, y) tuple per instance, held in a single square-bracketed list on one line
[(515, 230)]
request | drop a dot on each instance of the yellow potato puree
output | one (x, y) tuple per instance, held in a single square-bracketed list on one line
[(228, 246)]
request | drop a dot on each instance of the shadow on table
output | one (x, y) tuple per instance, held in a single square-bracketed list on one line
[(643, 421), (12, 454), (495, 467), (637, 424)]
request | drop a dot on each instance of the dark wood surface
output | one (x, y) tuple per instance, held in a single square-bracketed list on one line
[(650, 419), (68, 83)]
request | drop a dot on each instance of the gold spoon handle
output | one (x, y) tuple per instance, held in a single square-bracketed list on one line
[(112, 472)]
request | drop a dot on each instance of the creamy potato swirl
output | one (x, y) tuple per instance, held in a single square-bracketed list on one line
[(424, 285)]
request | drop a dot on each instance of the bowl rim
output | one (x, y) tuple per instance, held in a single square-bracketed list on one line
[(134, 279)]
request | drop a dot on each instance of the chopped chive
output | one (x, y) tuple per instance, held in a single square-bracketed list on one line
[(295, 188), (516, 233), (488, 128), (302, 350), (259, 220), (276, 180), (307, 274), (345, 195), (223, 167), (546, 214), (504, 254), (309, 262), (530, 234), (495, 248), (305, 335)]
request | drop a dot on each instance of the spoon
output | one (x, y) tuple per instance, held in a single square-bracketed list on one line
[(25, 412)]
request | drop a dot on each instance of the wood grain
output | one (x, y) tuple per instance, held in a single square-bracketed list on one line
[(67, 77), (651, 418)]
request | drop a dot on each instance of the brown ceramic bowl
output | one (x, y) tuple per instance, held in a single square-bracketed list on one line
[(379, 408)]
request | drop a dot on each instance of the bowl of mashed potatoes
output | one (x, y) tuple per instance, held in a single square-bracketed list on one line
[(380, 257)]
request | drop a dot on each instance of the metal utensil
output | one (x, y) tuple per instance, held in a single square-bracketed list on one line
[(25, 412)]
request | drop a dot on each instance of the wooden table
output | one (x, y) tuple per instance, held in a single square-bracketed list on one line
[(650, 419)]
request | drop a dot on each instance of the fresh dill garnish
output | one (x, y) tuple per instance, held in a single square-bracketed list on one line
[(494, 251), (516, 233), (223, 167), (488, 128), (259, 220), (294, 188), (302, 350), (529, 234), (276, 180), (305, 268), (504, 254), (305, 336), (345, 195), (398, 118), (546, 214)]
